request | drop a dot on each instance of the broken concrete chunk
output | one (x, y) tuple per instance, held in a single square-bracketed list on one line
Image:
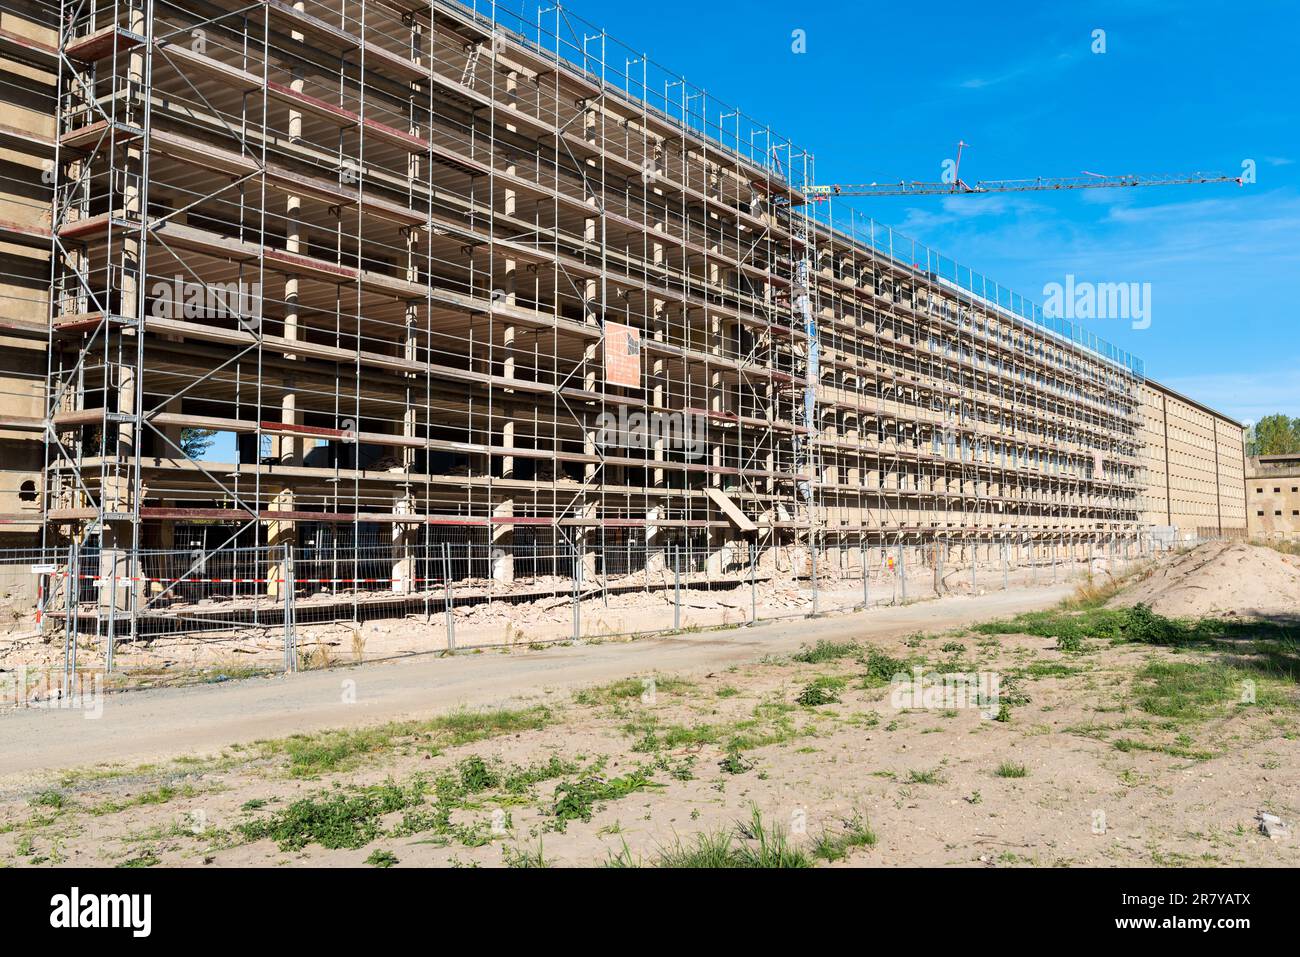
[(1272, 826)]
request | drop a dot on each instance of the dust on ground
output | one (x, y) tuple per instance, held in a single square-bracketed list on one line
[(1103, 749)]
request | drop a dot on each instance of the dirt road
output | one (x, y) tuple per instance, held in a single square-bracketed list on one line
[(151, 726)]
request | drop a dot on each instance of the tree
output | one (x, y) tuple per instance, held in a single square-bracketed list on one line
[(1277, 435), (196, 442)]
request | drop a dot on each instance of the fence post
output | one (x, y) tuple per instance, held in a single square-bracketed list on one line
[(111, 638), (426, 576), (1006, 574), (70, 626), (902, 573), (287, 586), (753, 582), (974, 582), (677, 587), (866, 598), (812, 551), (448, 607), (577, 595)]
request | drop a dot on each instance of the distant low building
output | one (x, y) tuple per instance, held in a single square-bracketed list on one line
[(1273, 496)]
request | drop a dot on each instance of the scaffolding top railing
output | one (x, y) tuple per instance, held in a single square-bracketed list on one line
[(879, 238), (929, 264), (526, 29)]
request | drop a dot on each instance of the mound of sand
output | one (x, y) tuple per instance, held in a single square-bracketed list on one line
[(1219, 580)]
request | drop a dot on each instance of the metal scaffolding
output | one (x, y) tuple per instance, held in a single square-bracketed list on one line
[(422, 276)]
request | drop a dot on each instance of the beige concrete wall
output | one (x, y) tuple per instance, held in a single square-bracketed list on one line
[(1273, 498), (26, 104), (1194, 466)]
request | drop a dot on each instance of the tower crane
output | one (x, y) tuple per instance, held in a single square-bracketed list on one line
[(959, 187)]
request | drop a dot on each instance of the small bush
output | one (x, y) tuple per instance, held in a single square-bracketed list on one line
[(822, 690), (733, 762), (1009, 769), (476, 776), (1144, 626), (1070, 644), (881, 668)]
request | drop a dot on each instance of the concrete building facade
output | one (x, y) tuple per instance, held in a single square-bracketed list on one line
[(1273, 496), (1194, 463), (27, 115)]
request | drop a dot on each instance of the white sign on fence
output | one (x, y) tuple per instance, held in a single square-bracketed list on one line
[(44, 569)]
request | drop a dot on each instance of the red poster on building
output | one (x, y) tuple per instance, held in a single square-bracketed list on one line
[(622, 355)]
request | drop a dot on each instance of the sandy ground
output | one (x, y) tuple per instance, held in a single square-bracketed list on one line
[(1222, 579), (1079, 768), (146, 726)]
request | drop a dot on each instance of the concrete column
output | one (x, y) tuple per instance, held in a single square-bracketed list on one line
[(503, 563), (656, 559), (657, 474), (116, 538), (405, 540)]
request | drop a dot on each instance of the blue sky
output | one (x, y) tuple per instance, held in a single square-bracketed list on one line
[(885, 90)]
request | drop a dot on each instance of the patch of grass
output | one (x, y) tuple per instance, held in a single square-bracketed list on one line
[(1049, 669), (1093, 594), (1127, 745), (338, 750), (924, 777), (630, 688), (1185, 691), (518, 780), (1010, 769), (147, 859), (651, 738), (827, 651), (622, 858), (576, 800), (835, 847), (380, 858), (750, 844), (155, 796), (517, 858), (52, 798), (340, 819)]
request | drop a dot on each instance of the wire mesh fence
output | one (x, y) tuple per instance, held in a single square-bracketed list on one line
[(440, 590)]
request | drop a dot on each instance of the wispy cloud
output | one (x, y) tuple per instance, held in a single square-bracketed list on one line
[(1037, 67)]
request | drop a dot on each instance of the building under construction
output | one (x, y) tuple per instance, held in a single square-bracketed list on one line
[(348, 282)]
